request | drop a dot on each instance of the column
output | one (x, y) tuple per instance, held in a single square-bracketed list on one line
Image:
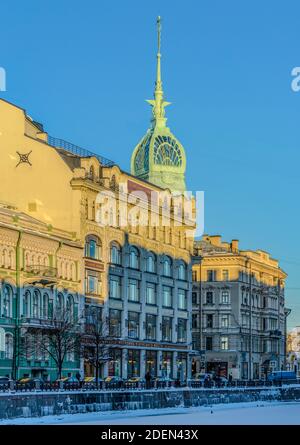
[(124, 363), (174, 365), (159, 362), (142, 363)]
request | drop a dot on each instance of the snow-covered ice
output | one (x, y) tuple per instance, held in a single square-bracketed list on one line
[(254, 413)]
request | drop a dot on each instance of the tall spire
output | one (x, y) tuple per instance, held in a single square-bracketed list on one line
[(158, 104)]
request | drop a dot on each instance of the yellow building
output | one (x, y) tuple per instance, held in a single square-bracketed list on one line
[(135, 236), (39, 269), (239, 314)]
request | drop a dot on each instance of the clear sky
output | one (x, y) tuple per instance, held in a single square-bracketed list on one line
[(84, 69)]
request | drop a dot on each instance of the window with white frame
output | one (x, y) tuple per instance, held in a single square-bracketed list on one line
[(167, 267), (134, 258), (224, 343), (7, 302), (9, 346), (115, 253), (225, 297), (225, 320), (133, 290), (225, 274), (36, 304), (115, 287), (167, 296), (182, 299), (150, 263), (150, 293), (182, 271)]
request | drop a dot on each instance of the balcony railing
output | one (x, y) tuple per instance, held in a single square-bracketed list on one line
[(42, 274), (78, 151)]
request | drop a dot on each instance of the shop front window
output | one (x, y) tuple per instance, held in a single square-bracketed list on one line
[(115, 362), (133, 364), (166, 366), (151, 362), (181, 364)]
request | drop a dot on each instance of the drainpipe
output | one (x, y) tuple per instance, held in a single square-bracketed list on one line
[(15, 365)]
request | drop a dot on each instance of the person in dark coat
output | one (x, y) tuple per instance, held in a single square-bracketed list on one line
[(148, 380)]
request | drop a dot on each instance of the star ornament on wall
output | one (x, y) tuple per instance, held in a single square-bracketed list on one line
[(24, 158)]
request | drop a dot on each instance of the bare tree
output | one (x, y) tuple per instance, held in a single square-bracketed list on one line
[(95, 349), (57, 337)]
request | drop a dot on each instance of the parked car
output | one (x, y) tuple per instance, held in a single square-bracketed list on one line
[(282, 376)]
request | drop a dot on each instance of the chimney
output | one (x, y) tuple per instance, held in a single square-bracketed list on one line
[(235, 245)]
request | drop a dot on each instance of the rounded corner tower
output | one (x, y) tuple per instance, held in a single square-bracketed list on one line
[(159, 157)]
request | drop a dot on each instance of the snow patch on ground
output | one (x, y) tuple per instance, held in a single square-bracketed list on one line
[(252, 413)]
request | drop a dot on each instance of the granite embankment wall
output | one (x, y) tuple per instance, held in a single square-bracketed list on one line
[(36, 404)]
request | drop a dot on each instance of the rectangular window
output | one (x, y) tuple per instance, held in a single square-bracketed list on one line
[(225, 275), (115, 322), (167, 296), (133, 324), (166, 329), (182, 300), (224, 343), (211, 275), (209, 297), (195, 321), (133, 290), (150, 327), (150, 293), (115, 287), (194, 298), (133, 364), (151, 362), (225, 297), (208, 343), (181, 330), (92, 282), (209, 320), (225, 321)]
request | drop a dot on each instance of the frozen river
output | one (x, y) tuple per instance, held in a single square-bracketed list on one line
[(258, 413)]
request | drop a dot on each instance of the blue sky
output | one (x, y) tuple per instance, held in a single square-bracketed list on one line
[(84, 69)]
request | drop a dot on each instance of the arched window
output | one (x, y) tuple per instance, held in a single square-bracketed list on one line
[(45, 305), (134, 258), (9, 346), (70, 308), (93, 247), (150, 263), (36, 304), (26, 304), (115, 253), (7, 301), (182, 271), (167, 267), (59, 305)]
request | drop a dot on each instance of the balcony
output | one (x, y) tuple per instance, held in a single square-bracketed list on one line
[(44, 275), (275, 333)]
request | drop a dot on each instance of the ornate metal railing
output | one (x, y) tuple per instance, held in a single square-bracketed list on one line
[(79, 151)]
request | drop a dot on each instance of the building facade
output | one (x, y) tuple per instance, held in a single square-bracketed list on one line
[(135, 237), (39, 270), (293, 350), (239, 314)]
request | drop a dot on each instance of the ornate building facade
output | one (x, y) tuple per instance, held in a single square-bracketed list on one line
[(239, 313), (135, 236), (39, 270)]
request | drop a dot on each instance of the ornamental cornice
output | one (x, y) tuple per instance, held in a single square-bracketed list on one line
[(39, 244)]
